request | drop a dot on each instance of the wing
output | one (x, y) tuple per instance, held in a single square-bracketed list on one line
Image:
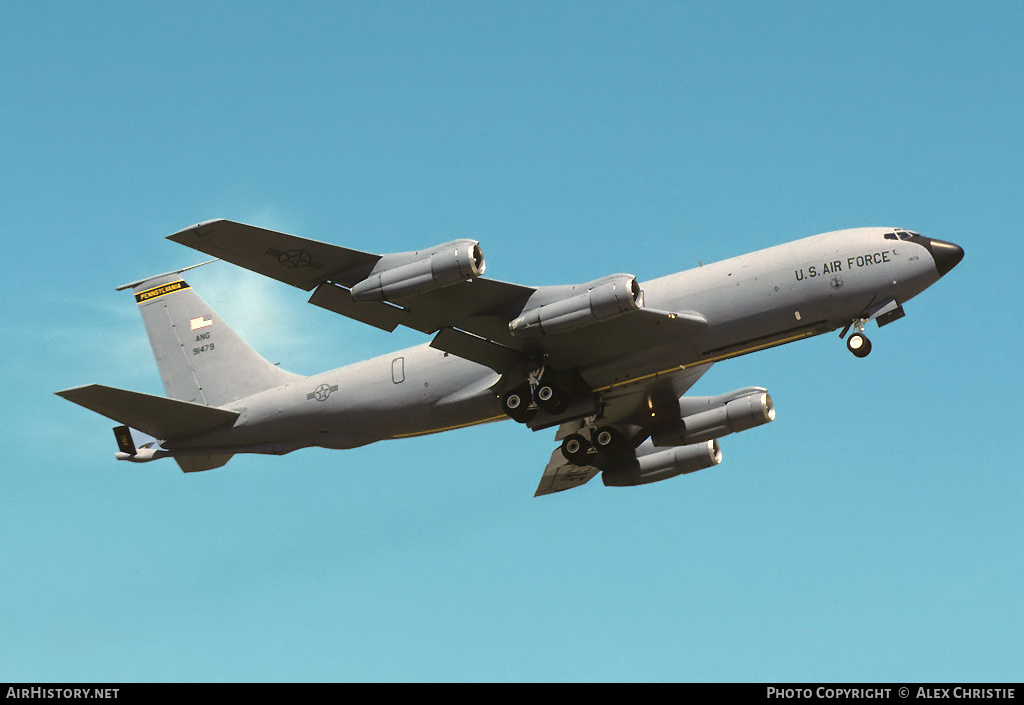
[(482, 305), (292, 260), (497, 324)]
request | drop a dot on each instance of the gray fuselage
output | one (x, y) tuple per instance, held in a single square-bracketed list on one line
[(751, 302)]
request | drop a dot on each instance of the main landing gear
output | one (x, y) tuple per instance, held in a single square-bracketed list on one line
[(604, 440), (575, 449), (522, 402), (516, 403)]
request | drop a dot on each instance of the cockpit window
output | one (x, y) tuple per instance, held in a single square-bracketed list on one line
[(900, 235)]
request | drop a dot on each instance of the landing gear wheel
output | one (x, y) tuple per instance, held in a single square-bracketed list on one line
[(858, 344), (608, 441), (552, 399), (516, 403), (575, 449)]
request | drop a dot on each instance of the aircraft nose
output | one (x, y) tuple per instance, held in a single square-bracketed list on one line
[(946, 255)]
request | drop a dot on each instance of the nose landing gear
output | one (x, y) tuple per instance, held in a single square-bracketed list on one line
[(858, 344), (884, 313)]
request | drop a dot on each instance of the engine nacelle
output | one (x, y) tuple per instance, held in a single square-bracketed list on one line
[(664, 464), (705, 418), (611, 297), (736, 415), (438, 267)]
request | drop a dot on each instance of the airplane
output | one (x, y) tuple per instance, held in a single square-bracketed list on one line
[(607, 362)]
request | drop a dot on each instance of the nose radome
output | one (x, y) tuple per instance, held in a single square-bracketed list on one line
[(946, 255)]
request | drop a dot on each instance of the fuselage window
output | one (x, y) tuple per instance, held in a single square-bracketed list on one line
[(398, 370)]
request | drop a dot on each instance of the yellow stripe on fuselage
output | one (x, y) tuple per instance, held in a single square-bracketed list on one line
[(502, 417), (718, 358)]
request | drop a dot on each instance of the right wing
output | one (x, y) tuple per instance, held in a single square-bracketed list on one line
[(289, 259), (482, 305)]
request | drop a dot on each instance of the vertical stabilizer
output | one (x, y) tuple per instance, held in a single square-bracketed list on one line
[(201, 360)]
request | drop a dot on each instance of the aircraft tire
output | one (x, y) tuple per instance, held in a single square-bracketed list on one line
[(552, 399), (575, 448), (858, 344), (608, 441), (516, 403)]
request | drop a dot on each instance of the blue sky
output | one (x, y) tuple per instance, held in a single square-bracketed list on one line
[(873, 532)]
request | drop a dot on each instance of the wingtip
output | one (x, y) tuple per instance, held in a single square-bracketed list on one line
[(71, 391), (194, 229)]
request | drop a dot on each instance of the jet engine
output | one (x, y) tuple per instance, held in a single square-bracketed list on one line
[(607, 298), (664, 464), (435, 268), (707, 418)]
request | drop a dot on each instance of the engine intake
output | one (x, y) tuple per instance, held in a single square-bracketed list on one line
[(438, 267), (665, 464), (610, 298)]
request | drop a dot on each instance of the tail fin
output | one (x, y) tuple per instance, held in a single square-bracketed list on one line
[(201, 360)]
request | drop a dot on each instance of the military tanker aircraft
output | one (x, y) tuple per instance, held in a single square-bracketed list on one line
[(607, 362)]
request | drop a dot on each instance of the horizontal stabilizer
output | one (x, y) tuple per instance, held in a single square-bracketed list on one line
[(158, 416)]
